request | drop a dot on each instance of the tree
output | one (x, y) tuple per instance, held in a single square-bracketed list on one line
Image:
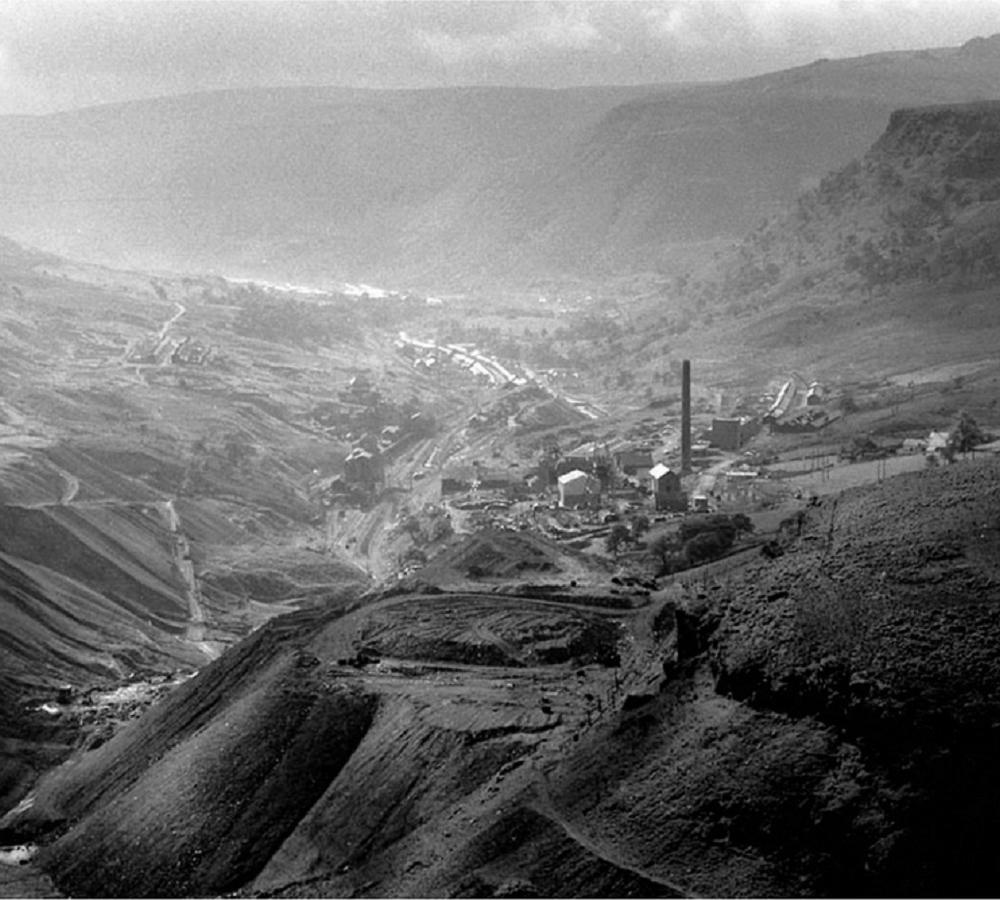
[(640, 525), (662, 548), (618, 535), (965, 435), (706, 546), (848, 404), (718, 523), (743, 523)]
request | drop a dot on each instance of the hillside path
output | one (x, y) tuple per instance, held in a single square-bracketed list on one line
[(182, 558)]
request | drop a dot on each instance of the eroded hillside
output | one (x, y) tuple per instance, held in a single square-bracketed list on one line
[(802, 728), (162, 468), (420, 672)]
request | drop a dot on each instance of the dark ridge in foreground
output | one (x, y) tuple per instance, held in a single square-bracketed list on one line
[(822, 723)]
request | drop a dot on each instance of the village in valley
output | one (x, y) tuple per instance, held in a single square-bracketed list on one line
[(628, 483), (534, 481)]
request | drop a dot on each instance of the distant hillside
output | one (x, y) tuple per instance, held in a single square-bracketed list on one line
[(920, 206), (454, 186), (888, 264)]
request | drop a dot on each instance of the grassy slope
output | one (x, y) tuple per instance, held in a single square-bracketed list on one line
[(888, 267)]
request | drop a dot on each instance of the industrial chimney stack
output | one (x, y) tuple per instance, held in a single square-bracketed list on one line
[(686, 416)]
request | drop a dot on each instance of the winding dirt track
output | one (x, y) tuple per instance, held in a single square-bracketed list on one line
[(182, 558)]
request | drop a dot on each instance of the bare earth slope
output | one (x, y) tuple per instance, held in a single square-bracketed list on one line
[(485, 744), (129, 472)]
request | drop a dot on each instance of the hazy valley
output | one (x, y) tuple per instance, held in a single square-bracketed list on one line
[(454, 188), (416, 590)]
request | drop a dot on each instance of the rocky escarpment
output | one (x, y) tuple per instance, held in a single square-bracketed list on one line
[(923, 204)]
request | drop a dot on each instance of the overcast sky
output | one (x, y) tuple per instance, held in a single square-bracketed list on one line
[(57, 55)]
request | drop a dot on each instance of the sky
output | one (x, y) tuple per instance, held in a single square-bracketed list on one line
[(59, 55)]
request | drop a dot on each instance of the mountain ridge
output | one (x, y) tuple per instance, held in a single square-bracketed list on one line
[(452, 186)]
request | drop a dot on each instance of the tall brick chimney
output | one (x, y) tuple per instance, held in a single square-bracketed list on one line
[(686, 416)]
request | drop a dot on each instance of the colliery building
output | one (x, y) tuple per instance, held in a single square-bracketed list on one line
[(732, 434), (666, 488), (576, 489), (633, 461)]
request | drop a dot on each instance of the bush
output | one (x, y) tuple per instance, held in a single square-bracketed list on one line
[(965, 435), (618, 535), (718, 523), (707, 545)]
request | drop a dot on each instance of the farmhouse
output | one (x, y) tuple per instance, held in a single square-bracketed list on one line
[(937, 444)]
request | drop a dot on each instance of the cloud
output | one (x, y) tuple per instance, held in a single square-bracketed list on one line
[(549, 28), (728, 38), (65, 53)]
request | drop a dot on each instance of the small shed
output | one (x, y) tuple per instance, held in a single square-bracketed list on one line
[(699, 503)]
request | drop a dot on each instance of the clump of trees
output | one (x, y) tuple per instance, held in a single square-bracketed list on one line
[(621, 534), (618, 536), (699, 539), (965, 435), (293, 321)]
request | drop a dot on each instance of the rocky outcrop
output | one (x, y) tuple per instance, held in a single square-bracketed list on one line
[(920, 206)]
